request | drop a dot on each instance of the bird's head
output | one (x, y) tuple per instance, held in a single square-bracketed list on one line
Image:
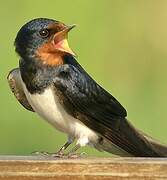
[(43, 39)]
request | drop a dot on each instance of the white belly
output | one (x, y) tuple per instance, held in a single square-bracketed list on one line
[(47, 105)]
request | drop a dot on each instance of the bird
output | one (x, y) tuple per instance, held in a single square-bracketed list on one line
[(50, 82)]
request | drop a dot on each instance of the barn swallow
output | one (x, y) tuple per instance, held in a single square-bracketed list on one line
[(50, 82)]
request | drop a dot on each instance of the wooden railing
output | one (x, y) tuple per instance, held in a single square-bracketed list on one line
[(40, 168)]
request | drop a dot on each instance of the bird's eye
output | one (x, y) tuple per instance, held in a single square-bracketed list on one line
[(44, 33)]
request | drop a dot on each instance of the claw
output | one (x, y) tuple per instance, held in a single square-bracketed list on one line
[(47, 154), (76, 155), (43, 153), (59, 154)]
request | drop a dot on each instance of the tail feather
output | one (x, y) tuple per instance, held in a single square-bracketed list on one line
[(160, 148), (132, 142), (109, 147)]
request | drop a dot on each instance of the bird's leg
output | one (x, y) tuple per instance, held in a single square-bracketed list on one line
[(60, 152), (72, 153), (63, 148), (83, 141)]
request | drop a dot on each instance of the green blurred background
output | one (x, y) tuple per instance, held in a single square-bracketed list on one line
[(122, 44)]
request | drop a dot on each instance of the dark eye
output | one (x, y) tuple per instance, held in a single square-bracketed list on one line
[(44, 33)]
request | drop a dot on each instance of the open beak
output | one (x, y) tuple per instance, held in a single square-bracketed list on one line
[(60, 40)]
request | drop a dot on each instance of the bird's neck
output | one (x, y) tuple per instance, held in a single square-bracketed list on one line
[(50, 58), (37, 75)]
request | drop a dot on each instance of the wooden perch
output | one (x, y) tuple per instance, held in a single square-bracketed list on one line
[(40, 168)]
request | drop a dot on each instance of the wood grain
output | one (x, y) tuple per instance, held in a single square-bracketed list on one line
[(40, 168)]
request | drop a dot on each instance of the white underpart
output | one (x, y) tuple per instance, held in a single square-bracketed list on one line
[(48, 106)]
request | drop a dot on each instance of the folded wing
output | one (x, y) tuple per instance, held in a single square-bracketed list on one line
[(100, 111), (15, 84)]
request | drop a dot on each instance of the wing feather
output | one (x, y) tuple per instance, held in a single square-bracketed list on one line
[(100, 111), (14, 81)]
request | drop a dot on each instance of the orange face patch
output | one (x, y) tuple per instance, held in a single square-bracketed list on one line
[(49, 55), (52, 52)]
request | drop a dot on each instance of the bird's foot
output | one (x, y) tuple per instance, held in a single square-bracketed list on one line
[(60, 154), (47, 154), (76, 155)]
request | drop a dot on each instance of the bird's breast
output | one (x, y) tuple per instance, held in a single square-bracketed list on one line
[(47, 105)]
